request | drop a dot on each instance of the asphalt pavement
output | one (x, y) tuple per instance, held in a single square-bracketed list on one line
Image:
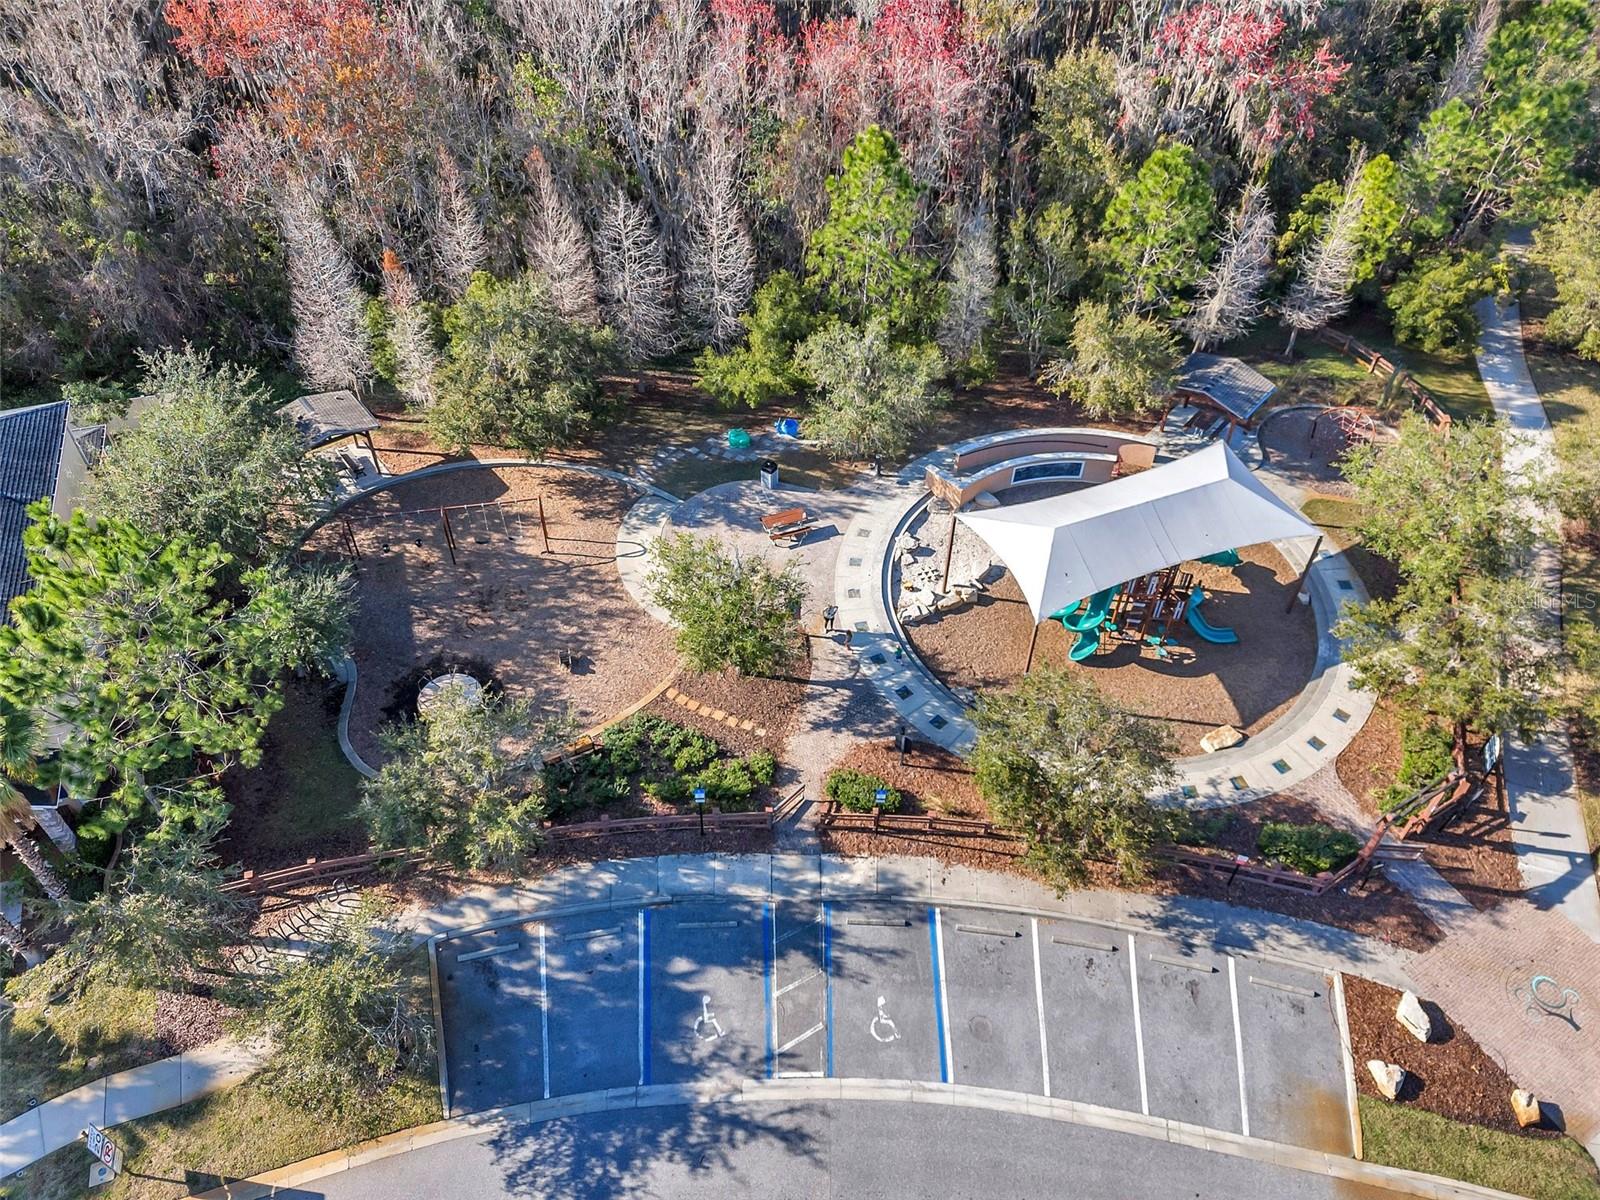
[(861, 1150)]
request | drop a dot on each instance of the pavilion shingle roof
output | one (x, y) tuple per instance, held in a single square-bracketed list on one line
[(1233, 386), (328, 416), (30, 460)]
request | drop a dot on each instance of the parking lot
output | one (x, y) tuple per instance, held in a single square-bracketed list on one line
[(728, 988)]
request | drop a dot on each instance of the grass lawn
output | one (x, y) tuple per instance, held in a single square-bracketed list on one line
[(1539, 1168), (301, 800), (237, 1133), (1320, 374), (1338, 520), (230, 1135), (44, 1052), (1569, 388)]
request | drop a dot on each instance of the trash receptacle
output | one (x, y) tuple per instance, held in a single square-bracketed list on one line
[(769, 473), (738, 439)]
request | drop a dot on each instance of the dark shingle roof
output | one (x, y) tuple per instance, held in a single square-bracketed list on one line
[(1233, 386), (328, 416), (30, 459)]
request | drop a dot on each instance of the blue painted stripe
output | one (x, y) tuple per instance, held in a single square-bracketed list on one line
[(827, 979), (769, 943), (938, 992), (644, 951)]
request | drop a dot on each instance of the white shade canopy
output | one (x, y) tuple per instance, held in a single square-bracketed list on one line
[(1071, 546)]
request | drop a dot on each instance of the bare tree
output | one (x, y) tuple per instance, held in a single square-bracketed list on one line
[(1321, 289), (1466, 72), (458, 242), (557, 246), (720, 258), (974, 275), (1231, 297), (415, 356), (330, 334), (636, 285)]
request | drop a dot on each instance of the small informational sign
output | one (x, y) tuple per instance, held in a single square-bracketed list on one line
[(1491, 754), (103, 1148), (881, 796), (699, 795)]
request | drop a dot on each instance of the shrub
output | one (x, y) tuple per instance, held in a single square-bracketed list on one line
[(1309, 849), (855, 791), (1425, 758)]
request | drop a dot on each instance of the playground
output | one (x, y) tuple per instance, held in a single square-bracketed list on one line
[(452, 573), (1195, 687)]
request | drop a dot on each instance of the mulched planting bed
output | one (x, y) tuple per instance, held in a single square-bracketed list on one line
[(1450, 1076), (1476, 854), (934, 781), (507, 608), (185, 1022), (770, 704), (1372, 759), (1248, 685)]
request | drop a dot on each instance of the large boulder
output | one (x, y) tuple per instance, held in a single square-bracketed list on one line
[(1390, 1077), (1413, 1017), (1526, 1107), (1221, 738)]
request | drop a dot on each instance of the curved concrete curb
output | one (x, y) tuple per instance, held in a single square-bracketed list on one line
[(345, 669), (896, 1091), (1322, 721)]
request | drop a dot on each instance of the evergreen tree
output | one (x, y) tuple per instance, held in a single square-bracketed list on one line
[(1157, 232)]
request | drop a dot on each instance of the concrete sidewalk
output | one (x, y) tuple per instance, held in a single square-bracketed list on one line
[(137, 1092), (1547, 829)]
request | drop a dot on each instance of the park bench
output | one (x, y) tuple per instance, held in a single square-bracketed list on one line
[(791, 533)]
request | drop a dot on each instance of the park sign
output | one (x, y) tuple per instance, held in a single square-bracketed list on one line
[(102, 1148)]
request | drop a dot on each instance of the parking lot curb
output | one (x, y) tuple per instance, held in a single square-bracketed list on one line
[(788, 1091)]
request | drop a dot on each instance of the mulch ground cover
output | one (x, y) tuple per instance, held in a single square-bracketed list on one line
[(1248, 685), (769, 704), (1451, 1075), (936, 782)]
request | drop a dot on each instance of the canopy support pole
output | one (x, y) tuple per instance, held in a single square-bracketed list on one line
[(1032, 642), (1300, 584), (949, 553)]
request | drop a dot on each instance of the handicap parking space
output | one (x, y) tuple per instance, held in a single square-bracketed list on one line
[(489, 986), (1294, 1069), (706, 991), (798, 990), (992, 1004), (1186, 1023), (884, 1019), (1088, 1014), (592, 964)]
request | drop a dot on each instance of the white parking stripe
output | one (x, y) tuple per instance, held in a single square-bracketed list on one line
[(544, 1015), (944, 992), (642, 969), (1138, 1027), (1038, 999), (1238, 1046)]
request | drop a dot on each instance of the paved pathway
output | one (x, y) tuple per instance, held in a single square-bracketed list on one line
[(113, 1099), (1546, 822)]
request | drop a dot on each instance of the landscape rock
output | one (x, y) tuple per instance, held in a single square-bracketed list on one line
[(1413, 1017), (1526, 1107), (1390, 1077), (1220, 739)]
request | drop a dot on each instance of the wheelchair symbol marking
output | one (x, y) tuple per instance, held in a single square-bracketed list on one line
[(883, 1028), (706, 1026)]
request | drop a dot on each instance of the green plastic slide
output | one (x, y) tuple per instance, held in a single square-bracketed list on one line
[(1090, 617), (1212, 633), (1088, 642), (1222, 558)]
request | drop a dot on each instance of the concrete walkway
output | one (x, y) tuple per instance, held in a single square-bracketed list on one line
[(114, 1099), (1546, 822)]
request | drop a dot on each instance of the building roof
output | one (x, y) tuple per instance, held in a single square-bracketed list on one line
[(30, 462), (1235, 387), (1067, 547), (328, 416)]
